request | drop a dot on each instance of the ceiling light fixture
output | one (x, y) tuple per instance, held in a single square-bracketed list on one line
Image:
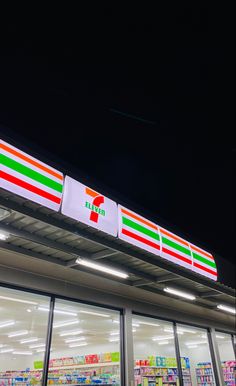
[(157, 338), (114, 333), (6, 324), (195, 342), (67, 333), (149, 324), (74, 339), (63, 324), (4, 236), (17, 333), (5, 350), (94, 313), (180, 293), (193, 346), (22, 352), (78, 344), (220, 337), (58, 311), (231, 310), (135, 325), (37, 345), (183, 329), (30, 340), (102, 268), (8, 298), (164, 342)]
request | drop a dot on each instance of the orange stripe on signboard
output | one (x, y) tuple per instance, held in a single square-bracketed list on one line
[(91, 192), (202, 252), (30, 161), (134, 216), (165, 232)]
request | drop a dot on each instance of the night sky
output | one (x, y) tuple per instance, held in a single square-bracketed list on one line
[(136, 102)]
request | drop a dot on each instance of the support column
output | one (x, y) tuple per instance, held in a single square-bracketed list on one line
[(128, 348)]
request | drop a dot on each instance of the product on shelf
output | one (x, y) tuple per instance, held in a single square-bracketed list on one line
[(229, 372), (204, 374), (158, 371)]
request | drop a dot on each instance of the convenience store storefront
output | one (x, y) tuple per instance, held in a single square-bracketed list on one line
[(92, 292)]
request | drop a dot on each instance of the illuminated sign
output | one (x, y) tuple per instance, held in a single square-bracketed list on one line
[(142, 233), (89, 207), (138, 231), (29, 178)]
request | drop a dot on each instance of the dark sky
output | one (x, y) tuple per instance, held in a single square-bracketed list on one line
[(138, 101)]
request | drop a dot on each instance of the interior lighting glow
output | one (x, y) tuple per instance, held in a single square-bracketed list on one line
[(94, 313), (102, 268), (63, 324), (164, 342), (149, 324), (6, 350), (4, 236), (17, 333), (22, 352), (6, 324), (180, 293), (62, 312), (30, 340), (78, 344), (74, 339), (37, 345), (68, 333), (114, 340), (158, 338), (231, 310), (196, 342), (8, 298)]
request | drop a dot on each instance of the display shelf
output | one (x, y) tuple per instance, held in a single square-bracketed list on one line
[(85, 366)]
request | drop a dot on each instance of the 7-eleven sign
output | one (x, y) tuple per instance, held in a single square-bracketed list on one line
[(89, 207)]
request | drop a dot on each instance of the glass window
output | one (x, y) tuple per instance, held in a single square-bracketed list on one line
[(194, 347), (85, 345), (23, 331), (154, 352), (227, 357)]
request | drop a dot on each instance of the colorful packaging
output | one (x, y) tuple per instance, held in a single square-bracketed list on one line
[(115, 356)]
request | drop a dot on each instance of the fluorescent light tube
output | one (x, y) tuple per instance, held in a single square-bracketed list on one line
[(22, 352), (102, 268), (171, 331), (164, 342), (67, 333), (149, 324), (134, 330), (180, 293), (37, 345), (114, 340), (58, 311), (231, 310), (17, 333), (135, 325), (29, 340), (17, 300), (94, 313), (220, 337), (114, 333), (74, 339), (78, 344), (186, 330), (6, 350), (116, 321), (4, 236), (63, 324), (157, 338), (6, 324), (192, 346), (195, 342)]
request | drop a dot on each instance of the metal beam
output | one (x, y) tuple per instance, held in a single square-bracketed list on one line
[(141, 282), (149, 258), (102, 254), (209, 294), (168, 277)]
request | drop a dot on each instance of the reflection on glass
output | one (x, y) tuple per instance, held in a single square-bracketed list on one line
[(85, 345), (154, 352), (23, 330), (194, 347), (227, 357)]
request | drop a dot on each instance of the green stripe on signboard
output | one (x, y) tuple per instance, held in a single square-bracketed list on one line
[(175, 246), (203, 260), (140, 228), (22, 169)]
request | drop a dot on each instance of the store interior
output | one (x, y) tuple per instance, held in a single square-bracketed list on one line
[(85, 346)]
